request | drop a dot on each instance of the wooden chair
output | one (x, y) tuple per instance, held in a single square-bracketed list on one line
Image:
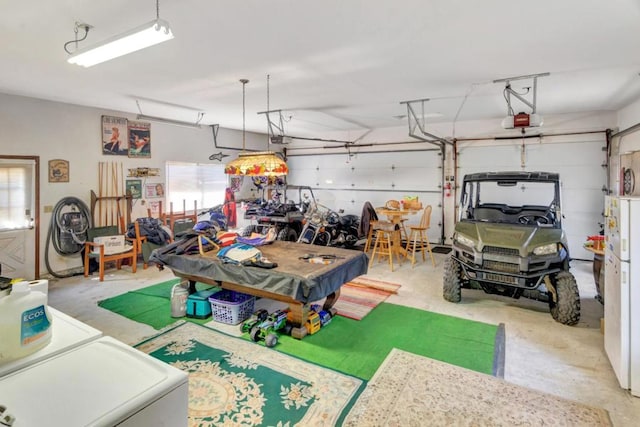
[(418, 238), (182, 225), (101, 251), (144, 247)]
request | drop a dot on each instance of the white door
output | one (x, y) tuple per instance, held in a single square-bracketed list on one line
[(343, 182), (17, 210), (579, 164)]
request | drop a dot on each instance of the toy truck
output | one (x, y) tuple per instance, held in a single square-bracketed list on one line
[(313, 323), (266, 329), (257, 317)]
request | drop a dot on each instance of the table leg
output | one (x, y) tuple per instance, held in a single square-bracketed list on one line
[(330, 301), (192, 287), (299, 313)]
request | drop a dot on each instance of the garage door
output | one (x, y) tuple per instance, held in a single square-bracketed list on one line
[(579, 164), (340, 182)]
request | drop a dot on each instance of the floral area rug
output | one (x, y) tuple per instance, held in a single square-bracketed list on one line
[(234, 382), (411, 390)]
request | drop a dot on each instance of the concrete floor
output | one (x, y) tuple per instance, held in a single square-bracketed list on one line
[(542, 354)]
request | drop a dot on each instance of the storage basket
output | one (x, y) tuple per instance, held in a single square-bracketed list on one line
[(231, 307)]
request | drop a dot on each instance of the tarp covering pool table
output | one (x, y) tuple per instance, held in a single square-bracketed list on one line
[(294, 277)]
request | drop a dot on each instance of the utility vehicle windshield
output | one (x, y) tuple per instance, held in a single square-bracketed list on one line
[(510, 201)]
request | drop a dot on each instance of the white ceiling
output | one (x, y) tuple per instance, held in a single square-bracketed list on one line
[(334, 64)]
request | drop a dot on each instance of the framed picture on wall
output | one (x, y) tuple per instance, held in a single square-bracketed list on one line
[(114, 136), (139, 139), (58, 170), (154, 191), (134, 186)]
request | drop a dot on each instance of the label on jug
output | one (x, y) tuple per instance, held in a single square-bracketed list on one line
[(34, 325)]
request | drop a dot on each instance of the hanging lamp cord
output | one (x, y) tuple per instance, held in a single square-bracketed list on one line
[(268, 127), (244, 83)]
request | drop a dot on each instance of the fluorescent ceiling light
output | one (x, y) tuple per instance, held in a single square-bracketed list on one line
[(168, 121), (149, 34)]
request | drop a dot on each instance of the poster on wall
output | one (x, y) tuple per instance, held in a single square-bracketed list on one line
[(134, 186), (114, 136), (139, 139), (154, 208), (154, 191)]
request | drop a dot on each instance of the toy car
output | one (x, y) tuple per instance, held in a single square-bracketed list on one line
[(325, 317), (257, 317), (266, 329)]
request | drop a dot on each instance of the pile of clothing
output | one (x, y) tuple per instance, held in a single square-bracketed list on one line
[(152, 229)]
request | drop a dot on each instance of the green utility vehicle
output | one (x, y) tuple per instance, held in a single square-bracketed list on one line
[(509, 241)]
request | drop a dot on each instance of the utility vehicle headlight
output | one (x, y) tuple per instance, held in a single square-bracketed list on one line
[(465, 241), (550, 249)]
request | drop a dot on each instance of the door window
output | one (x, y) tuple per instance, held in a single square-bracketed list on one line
[(16, 194)]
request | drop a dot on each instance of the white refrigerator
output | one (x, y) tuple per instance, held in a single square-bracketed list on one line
[(622, 289)]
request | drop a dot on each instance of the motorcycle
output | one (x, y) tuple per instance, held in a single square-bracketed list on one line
[(314, 228), (343, 229)]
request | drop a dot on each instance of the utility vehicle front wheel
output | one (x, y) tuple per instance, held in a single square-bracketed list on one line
[(566, 309), (451, 288)]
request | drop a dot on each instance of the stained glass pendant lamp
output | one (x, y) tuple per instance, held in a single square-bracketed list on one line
[(265, 163)]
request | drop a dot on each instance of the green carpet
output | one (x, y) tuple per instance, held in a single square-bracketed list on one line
[(354, 347), (150, 305), (359, 347)]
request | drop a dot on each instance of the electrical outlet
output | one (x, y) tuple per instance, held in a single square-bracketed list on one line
[(48, 209)]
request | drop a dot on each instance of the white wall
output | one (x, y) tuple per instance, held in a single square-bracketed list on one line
[(54, 130), (629, 115), (626, 118)]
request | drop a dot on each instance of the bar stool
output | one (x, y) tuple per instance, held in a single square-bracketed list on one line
[(382, 247), (418, 238), (370, 235), (386, 244)]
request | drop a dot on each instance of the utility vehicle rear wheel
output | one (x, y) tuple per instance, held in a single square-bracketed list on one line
[(245, 231), (566, 309), (288, 234), (451, 289)]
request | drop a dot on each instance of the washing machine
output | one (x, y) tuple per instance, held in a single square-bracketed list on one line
[(103, 382)]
